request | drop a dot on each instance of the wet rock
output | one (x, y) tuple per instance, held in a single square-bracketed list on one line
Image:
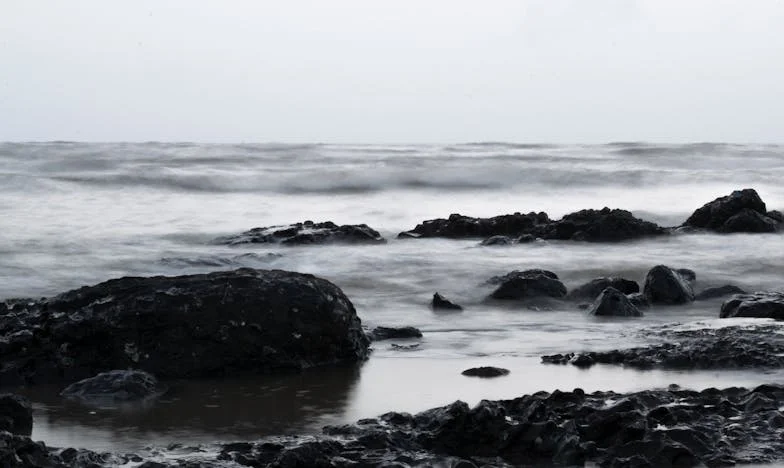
[(639, 300), (663, 285), (741, 211), (16, 414), (689, 275), (439, 302), (720, 291), (216, 324), (614, 303), (497, 240), (721, 348), (776, 215), (389, 333), (485, 372), (526, 239), (603, 225), (459, 226), (593, 288), (306, 233), (115, 386), (757, 305), (529, 284), (517, 273)]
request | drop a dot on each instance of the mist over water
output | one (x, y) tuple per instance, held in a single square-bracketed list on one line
[(73, 214)]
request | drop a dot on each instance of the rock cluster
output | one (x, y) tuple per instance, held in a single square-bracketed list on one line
[(306, 233)]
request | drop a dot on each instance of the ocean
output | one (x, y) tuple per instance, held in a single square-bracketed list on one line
[(74, 214)]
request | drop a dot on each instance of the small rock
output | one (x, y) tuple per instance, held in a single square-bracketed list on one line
[(442, 303), (593, 288), (663, 285), (497, 240), (16, 414), (757, 305), (389, 333), (720, 291), (614, 303), (485, 372), (116, 385), (740, 205)]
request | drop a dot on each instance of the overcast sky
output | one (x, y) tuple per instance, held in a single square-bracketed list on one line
[(392, 71)]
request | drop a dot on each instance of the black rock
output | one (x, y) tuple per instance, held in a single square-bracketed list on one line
[(526, 239), (16, 415), (759, 305), (115, 386), (663, 285), (485, 372), (593, 288), (720, 291), (497, 240), (687, 274), (439, 302), (216, 324), (639, 300), (603, 225), (776, 215), (459, 226), (389, 333), (529, 284), (614, 303), (517, 273), (742, 205), (306, 233)]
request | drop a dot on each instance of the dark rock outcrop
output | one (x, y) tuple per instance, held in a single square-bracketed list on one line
[(458, 226), (527, 285), (485, 372), (732, 347), (719, 291), (115, 386), (741, 211), (439, 302), (494, 241), (757, 305), (593, 288), (613, 303), (222, 323), (389, 333), (306, 233), (639, 300), (16, 414), (663, 285), (518, 273)]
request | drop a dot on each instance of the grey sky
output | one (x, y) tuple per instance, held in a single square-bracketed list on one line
[(392, 71)]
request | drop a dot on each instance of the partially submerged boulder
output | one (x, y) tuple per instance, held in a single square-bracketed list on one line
[(663, 285), (593, 288), (16, 415), (613, 303), (719, 291), (740, 211), (115, 386), (391, 333), (458, 226), (215, 324), (439, 302), (529, 284), (757, 305), (306, 233)]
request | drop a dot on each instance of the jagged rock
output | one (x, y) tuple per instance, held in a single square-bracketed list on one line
[(216, 324), (741, 211), (529, 284), (758, 305), (459, 226), (663, 285), (116, 386), (439, 302), (389, 333), (719, 291), (16, 414), (612, 302), (603, 225), (306, 233), (485, 372), (593, 288)]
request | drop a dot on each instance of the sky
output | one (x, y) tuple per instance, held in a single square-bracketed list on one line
[(402, 71)]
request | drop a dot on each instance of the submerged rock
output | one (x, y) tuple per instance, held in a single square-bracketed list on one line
[(215, 324), (16, 415), (720, 291), (757, 305), (663, 285), (593, 288), (529, 284), (458, 226), (116, 386), (389, 333), (485, 372), (306, 233), (439, 302), (614, 303), (741, 211), (639, 300)]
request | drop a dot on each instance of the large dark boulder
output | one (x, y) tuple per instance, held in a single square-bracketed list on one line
[(222, 323), (663, 285), (593, 288), (740, 211), (613, 303), (529, 284), (306, 233), (603, 225), (115, 386), (758, 305), (16, 414), (459, 226)]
